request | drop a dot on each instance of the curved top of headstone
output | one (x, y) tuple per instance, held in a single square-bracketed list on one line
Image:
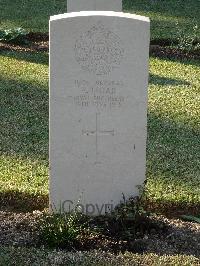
[(87, 5), (99, 13)]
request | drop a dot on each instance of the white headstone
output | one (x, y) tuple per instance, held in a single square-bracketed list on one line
[(98, 108), (80, 5)]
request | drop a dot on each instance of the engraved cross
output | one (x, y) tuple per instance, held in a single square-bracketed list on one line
[(97, 133)]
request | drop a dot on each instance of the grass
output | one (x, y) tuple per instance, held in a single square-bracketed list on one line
[(165, 15), (24, 123), (32, 256), (31, 15), (173, 165), (173, 169)]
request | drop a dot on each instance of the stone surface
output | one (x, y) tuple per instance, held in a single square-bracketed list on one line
[(98, 108), (81, 5)]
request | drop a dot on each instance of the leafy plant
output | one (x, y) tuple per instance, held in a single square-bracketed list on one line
[(129, 214), (16, 36), (188, 42), (60, 230)]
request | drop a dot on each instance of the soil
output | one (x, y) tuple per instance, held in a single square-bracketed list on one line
[(172, 209), (39, 42), (164, 236), (173, 53), (41, 46)]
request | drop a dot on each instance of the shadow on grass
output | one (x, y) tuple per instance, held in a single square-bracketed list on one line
[(24, 118), (30, 15), (166, 8), (23, 134), (32, 57), (15, 201), (173, 169), (164, 16), (177, 58), (172, 209), (173, 149), (173, 160), (163, 81)]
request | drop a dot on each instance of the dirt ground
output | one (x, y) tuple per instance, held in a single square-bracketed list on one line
[(169, 237)]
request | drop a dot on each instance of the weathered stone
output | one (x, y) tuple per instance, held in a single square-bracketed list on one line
[(98, 108)]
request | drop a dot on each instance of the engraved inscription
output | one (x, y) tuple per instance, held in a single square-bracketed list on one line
[(99, 50), (98, 133), (100, 94)]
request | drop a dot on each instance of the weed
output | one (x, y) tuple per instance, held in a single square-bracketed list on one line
[(60, 230), (16, 36), (129, 214), (188, 42)]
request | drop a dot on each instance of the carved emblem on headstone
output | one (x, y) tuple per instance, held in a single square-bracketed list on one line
[(99, 50)]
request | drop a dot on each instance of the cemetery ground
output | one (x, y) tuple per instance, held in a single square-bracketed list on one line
[(173, 152)]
